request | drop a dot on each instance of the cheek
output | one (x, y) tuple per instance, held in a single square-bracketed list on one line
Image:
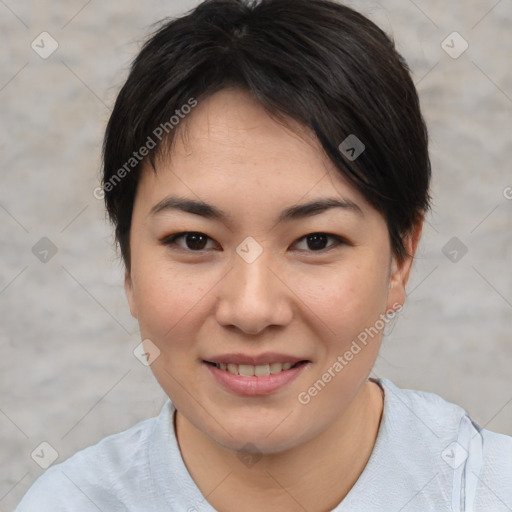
[(348, 299), (171, 304), (348, 306), (167, 297)]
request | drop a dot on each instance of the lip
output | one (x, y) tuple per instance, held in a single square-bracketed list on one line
[(255, 386), (265, 358)]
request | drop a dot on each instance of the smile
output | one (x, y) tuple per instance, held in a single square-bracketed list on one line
[(255, 380), (261, 370)]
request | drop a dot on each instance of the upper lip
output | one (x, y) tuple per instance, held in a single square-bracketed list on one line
[(255, 360)]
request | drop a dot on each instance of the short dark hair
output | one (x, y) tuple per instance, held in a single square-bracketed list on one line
[(314, 61)]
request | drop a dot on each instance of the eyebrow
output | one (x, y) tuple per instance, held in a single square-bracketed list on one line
[(300, 211)]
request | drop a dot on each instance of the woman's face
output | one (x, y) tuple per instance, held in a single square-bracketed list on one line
[(253, 289)]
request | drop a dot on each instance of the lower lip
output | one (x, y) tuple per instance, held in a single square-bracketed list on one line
[(255, 386)]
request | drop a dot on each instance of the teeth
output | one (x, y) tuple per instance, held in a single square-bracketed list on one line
[(248, 370), (275, 367), (262, 370)]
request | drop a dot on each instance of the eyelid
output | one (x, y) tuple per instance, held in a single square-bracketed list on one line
[(170, 240), (339, 242)]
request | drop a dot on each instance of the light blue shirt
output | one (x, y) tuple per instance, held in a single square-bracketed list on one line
[(428, 456)]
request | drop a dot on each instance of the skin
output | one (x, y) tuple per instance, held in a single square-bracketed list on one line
[(292, 299)]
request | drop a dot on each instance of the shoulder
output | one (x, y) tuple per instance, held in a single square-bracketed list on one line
[(444, 417), (476, 463), (104, 476), (492, 474), (424, 405)]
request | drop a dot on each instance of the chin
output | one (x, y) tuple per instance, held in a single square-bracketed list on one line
[(256, 435)]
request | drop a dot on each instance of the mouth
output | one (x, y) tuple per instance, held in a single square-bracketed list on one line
[(270, 375), (260, 370)]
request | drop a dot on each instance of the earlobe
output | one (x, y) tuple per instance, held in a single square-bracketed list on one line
[(128, 287)]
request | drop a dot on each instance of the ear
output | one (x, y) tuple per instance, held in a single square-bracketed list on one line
[(130, 294), (400, 271)]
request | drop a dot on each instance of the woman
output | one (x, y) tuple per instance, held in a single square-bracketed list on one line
[(266, 169)]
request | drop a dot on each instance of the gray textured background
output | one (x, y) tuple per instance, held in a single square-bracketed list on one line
[(68, 375)]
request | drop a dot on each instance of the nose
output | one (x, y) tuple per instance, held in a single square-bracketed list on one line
[(253, 296)]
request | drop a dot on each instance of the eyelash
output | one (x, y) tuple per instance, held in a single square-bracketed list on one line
[(171, 241)]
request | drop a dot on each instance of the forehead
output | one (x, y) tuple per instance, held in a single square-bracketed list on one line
[(232, 119), (229, 146)]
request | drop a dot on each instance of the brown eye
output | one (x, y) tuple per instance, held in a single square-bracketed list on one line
[(194, 241), (316, 242)]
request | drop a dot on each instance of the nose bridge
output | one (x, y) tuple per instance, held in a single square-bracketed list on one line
[(255, 279), (251, 295)]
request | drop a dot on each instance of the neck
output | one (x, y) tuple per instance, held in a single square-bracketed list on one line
[(314, 476)]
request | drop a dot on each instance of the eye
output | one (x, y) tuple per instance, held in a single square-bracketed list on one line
[(317, 241), (194, 241)]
